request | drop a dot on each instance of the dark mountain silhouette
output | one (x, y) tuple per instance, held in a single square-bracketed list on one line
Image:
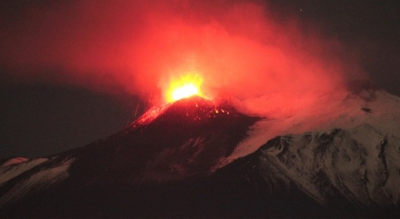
[(182, 160)]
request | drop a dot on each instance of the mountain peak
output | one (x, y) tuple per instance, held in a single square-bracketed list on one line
[(187, 138)]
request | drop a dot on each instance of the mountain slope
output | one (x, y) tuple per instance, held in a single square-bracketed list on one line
[(199, 158), (185, 139), (360, 165)]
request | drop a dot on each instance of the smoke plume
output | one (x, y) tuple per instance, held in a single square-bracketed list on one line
[(242, 49)]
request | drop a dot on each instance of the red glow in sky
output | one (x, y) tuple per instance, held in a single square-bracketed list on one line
[(136, 47)]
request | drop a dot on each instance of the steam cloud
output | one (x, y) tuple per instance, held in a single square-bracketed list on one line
[(135, 47)]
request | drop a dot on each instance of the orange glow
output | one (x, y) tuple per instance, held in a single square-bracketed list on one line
[(185, 86)]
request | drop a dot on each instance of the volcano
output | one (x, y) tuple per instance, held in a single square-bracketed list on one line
[(198, 158)]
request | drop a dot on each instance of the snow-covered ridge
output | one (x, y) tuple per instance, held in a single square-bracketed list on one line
[(349, 151), (361, 163), (364, 104)]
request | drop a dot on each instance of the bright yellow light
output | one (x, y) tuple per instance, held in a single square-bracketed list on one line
[(186, 90), (185, 86)]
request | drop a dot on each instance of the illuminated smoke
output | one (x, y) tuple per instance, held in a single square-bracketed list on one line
[(238, 48)]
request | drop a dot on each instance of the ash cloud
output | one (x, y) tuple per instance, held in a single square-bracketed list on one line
[(241, 48)]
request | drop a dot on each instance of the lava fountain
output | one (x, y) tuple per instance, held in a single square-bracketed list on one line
[(184, 86)]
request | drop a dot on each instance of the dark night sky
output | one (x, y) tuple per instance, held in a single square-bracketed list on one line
[(39, 118)]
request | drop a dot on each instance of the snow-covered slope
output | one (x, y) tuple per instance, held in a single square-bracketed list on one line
[(360, 164), (362, 104), (199, 158)]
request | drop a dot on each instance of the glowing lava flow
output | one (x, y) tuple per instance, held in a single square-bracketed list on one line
[(185, 86)]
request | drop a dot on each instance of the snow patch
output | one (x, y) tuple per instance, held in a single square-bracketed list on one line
[(12, 169), (14, 161), (37, 180)]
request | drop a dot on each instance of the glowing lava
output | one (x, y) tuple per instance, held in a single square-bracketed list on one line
[(184, 86), (186, 91)]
